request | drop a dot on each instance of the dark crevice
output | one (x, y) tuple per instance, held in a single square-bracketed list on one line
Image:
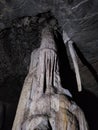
[(50, 128), (45, 86), (68, 79)]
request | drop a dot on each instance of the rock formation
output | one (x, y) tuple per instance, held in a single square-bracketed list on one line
[(44, 104)]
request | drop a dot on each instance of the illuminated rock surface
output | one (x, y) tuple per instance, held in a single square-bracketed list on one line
[(78, 18), (43, 102)]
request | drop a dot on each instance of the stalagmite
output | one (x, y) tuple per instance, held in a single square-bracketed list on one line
[(44, 104)]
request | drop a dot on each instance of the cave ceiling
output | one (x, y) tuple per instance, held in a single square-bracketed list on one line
[(79, 18)]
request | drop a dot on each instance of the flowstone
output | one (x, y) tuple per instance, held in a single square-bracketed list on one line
[(44, 104)]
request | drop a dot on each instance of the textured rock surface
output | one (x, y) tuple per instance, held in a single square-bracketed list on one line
[(79, 19), (43, 103)]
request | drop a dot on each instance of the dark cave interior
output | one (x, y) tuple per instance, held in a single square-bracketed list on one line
[(20, 35)]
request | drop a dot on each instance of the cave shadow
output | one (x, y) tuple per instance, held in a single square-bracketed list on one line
[(10, 91), (68, 79), (86, 63), (85, 99), (89, 104)]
